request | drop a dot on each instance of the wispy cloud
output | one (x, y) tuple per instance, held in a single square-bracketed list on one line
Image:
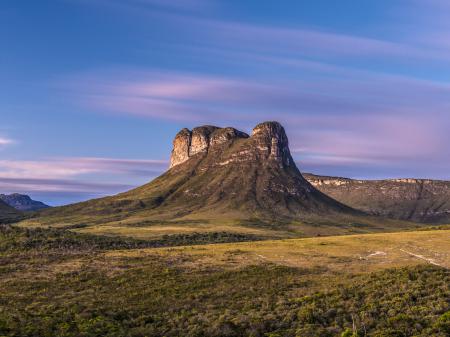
[(198, 97), (56, 192), (58, 168), (30, 185), (74, 179), (303, 42), (384, 140), (193, 22), (5, 141)]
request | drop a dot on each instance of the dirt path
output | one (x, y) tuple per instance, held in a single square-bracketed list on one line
[(431, 261)]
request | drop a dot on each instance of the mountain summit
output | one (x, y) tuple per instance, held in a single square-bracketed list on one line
[(267, 142), (230, 170)]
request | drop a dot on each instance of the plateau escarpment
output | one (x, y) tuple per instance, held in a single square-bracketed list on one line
[(420, 200)]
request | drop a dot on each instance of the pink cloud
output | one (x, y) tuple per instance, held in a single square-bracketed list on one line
[(190, 97), (62, 168), (5, 141), (383, 141)]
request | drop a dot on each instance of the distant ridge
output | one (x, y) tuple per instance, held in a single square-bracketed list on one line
[(22, 202), (420, 200)]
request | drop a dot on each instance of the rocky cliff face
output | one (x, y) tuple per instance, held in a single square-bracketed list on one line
[(22, 202), (421, 200), (198, 141), (267, 142)]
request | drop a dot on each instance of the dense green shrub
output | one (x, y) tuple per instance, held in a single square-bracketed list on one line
[(42, 238)]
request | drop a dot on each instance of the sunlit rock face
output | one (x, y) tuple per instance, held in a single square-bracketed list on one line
[(268, 142), (181, 144), (271, 140), (200, 140)]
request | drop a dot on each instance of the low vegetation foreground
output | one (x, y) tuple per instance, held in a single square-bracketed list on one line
[(59, 283)]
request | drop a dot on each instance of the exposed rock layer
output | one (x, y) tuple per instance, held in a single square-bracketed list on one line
[(267, 142), (421, 200), (189, 143)]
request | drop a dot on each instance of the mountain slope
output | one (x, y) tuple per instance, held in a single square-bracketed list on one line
[(8, 213), (420, 200), (22, 202)]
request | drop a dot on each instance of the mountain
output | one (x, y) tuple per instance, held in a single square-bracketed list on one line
[(420, 200), (22, 202), (225, 171), (8, 213), (220, 178)]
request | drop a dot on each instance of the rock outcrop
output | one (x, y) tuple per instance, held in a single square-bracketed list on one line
[(189, 143), (267, 142)]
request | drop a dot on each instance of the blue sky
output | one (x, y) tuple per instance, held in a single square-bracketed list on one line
[(93, 91)]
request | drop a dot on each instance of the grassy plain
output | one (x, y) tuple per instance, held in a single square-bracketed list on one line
[(62, 283), (140, 227)]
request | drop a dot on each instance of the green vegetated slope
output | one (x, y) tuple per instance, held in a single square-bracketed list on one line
[(8, 214), (421, 200), (221, 180), (69, 284)]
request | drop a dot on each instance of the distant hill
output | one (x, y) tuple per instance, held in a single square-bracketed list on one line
[(217, 176), (8, 213), (22, 202), (420, 200)]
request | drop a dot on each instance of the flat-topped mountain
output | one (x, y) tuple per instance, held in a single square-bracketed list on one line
[(421, 200), (22, 202), (222, 171), (221, 177)]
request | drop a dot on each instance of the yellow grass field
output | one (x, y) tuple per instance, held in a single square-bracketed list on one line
[(350, 253)]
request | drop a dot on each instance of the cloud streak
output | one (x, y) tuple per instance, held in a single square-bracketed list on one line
[(57, 168), (198, 97), (5, 141), (74, 179)]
